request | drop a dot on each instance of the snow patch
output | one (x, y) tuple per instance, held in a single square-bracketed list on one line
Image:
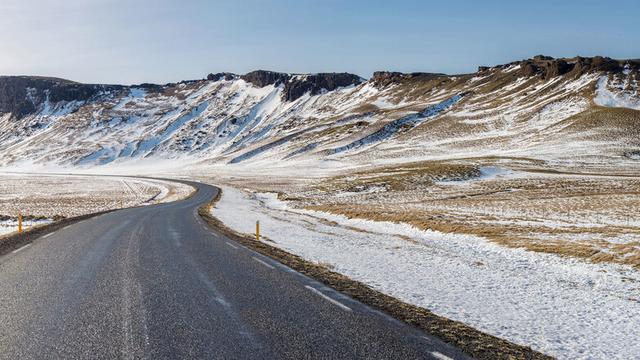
[(393, 127), (11, 226), (621, 99)]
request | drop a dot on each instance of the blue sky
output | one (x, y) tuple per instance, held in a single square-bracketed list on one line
[(133, 41)]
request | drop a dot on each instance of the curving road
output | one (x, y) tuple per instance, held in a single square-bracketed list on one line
[(155, 282)]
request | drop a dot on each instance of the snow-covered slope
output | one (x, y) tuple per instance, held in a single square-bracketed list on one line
[(537, 108)]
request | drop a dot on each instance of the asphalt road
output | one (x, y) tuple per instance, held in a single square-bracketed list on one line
[(156, 282)]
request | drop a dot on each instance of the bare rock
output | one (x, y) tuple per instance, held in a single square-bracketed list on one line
[(315, 83), (385, 78), (24, 95), (262, 78)]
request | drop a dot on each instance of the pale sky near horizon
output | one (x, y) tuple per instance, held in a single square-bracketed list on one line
[(159, 41)]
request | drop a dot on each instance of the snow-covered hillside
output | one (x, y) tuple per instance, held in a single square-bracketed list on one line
[(538, 108)]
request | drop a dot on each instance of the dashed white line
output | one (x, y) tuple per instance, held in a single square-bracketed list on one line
[(20, 249), (262, 262), (334, 302), (440, 356), (66, 227), (233, 246)]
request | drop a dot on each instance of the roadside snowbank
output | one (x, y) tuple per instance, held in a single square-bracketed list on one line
[(559, 306), (10, 226)]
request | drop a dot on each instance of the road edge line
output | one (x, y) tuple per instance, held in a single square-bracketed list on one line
[(329, 299), (263, 263), (21, 248)]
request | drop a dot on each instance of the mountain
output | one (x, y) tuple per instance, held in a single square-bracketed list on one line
[(550, 109)]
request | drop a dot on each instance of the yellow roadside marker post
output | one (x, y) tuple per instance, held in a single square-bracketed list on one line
[(258, 230), (19, 223)]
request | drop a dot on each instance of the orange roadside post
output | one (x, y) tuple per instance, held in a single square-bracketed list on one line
[(19, 223)]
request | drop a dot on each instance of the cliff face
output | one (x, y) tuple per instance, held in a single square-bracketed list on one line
[(315, 83), (384, 78), (24, 95), (262, 78), (547, 67), (220, 76), (297, 85)]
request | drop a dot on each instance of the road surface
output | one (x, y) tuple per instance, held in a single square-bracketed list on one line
[(155, 282)]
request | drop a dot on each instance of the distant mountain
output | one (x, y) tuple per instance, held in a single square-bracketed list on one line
[(542, 108)]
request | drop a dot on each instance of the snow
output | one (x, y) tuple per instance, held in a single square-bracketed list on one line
[(151, 143), (560, 306), (383, 102), (227, 121), (10, 226), (512, 68), (48, 195), (623, 99), (134, 94), (395, 126), (486, 173), (557, 111)]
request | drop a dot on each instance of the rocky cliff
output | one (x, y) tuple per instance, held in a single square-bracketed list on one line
[(297, 85), (24, 95), (547, 67)]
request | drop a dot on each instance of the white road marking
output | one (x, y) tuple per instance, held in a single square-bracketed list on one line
[(334, 302), (262, 262), (66, 227), (440, 356), (49, 234), (233, 246), (20, 249)]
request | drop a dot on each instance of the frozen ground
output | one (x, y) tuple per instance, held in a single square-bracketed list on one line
[(558, 305), (591, 213), (51, 196)]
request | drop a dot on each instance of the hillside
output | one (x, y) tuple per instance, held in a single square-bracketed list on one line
[(543, 108)]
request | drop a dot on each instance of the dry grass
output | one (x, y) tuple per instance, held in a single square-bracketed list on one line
[(590, 218), (592, 214), (399, 178)]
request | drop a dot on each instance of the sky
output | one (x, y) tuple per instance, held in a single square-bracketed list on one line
[(159, 41)]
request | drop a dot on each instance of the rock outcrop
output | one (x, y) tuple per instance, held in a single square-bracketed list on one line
[(297, 85), (262, 78), (384, 78), (221, 75), (24, 95), (547, 67)]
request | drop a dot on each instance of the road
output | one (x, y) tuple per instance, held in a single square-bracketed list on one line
[(156, 282)]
